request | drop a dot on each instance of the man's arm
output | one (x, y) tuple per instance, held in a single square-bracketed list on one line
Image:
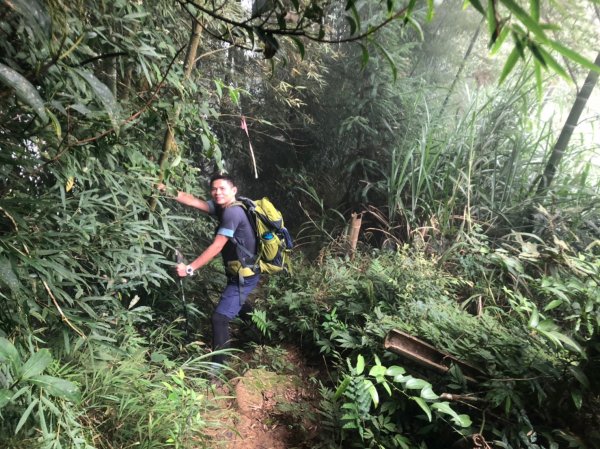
[(191, 200), (209, 254), (187, 199)]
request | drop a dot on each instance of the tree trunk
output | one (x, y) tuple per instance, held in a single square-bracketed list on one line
[(169, 139), (567, 131), (462, 67)]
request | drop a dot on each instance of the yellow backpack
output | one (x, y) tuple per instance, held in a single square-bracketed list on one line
[(273, 241)]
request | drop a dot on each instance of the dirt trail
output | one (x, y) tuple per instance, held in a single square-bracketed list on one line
[(266, 410)]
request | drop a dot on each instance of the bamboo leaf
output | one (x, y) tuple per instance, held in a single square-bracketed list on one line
[(574, 56), (105, 96), (531, 24), (491, 19), (300, 45), (535, 10), (36, 364), (476, 4), (8, 353), (25, 91), (55, 386), (25, 415), (352, 24), (538, 80), (364, 55), (554, 65), (389, 59), (430, 10), (8, 276), (5, 397), (580, 376), (499, 40), (35, 14), (509, 64)]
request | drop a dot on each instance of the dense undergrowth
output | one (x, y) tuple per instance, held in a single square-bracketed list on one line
[(526, 315)]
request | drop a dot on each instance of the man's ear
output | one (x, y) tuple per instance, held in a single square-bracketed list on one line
[(234, 190)]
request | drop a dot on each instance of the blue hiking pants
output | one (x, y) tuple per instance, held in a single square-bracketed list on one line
[(232, 300)]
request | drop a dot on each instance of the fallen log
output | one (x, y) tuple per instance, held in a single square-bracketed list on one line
[(427, 355)]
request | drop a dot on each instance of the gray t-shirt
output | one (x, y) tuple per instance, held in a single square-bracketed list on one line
[(234, 224)]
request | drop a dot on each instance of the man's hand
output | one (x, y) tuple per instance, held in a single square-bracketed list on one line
[(181, 270)]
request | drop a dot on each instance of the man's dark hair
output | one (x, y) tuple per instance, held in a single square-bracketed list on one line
[(224, 177)]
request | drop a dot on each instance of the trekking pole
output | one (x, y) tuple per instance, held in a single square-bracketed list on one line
[(179, 258)]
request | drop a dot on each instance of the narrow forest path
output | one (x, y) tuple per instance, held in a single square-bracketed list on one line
[(263, 409)]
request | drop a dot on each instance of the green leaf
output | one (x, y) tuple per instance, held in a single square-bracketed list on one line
[(535, 10), (219, 86), (389, 59), (416, 384), (459, 420), (377, 371), (574, 56), (25, 91), (176, 161), (476, 4), (360, 364), (7, 275), (491, 19), (409, 9), (340, 390), (25, 415), (300, 46), (499, 41), (531, 24), (538, 82), (580, 376), (103, 93), (36, 364), (8, 353), (35, 14), (364, 55), (577, 398), (421, 402), (430, 10), (352, 24), (509, 64), (534, 319), (373, 392), (234, 96), (417, 26), (428, 393), (5, 396), (55, 386), (553, 304), (394, 371)]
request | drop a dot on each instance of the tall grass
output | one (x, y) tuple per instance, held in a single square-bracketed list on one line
[(477, 167)]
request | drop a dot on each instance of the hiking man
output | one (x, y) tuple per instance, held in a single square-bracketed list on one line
[(234, 228)]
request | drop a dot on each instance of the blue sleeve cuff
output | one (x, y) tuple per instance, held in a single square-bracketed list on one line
[(226, 232)]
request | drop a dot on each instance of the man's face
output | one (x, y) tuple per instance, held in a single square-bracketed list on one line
[(222, 192)]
